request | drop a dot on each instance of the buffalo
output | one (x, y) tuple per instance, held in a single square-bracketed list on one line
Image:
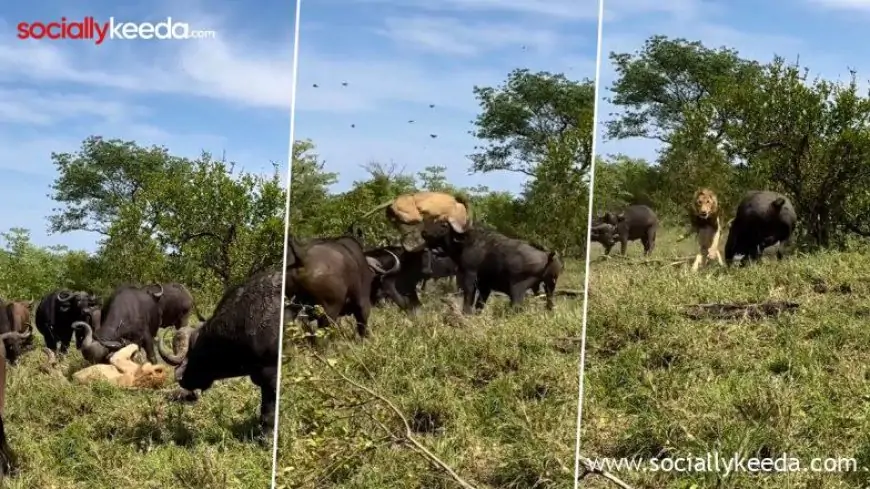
[(130, 315), (439, 266), (240, 339), (17, 319), (604, 233), (763, 218), (56, 313), (635, 222), (490, 261), (335, 274), (399, 271), (175, 305), (8, 460)]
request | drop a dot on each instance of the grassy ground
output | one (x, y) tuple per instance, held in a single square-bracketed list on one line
[(494, 397), (69, 435), (660, 384)]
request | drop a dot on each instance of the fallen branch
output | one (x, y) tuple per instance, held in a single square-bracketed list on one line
[(590, 468), (738, 311), (408, 435)]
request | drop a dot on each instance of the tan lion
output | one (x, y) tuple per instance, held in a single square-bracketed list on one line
[(407, 212), (705, 223), (122, 371)]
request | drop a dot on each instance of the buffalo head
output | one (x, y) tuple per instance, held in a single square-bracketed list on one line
[(68, 300), (441, 236), (155, 289), (183, 343), (95, 351)]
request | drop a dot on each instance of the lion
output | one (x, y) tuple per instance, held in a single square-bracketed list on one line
[(407, 212), (124, 372), (705, 223)]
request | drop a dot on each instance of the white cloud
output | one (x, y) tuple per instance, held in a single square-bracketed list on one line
[(252, 76), (445, 35), (35, 107)]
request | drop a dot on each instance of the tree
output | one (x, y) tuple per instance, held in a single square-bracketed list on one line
[(164, 217), (522, 119), (657, 85)]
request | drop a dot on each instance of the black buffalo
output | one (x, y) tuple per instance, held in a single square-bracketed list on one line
[(440, 266), (763, 218), (175, 304), (490, 261), (398, 272), (8, 460), (335, 274), (57, 312), (130, 315), (239, 339), (635, 222), (604, 233)]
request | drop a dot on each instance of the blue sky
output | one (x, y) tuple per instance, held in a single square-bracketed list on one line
[(400, 56), (829, 36), (231, 93)]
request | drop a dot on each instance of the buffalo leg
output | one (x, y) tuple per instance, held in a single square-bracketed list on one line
[(389, 287), (482, 297), (469, 287), (8, 460), (361, 314), (267, 381), (80, 338), (550, 290), (649, 242), (148, 344), (65, 340), (518, 292)]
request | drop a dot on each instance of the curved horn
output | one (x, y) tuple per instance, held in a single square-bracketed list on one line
[(16, 335), (64, 296), (375, 265), (157, 295), (398, 263), (181, 345)]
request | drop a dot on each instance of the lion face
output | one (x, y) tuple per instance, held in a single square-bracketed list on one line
[(706, 204)]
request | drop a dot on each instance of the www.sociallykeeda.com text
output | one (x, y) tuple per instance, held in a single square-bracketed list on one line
[(715, 462), (90, 29)]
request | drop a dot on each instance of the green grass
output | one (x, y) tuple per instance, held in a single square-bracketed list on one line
[(658, 383), (495, 398), (69, 435)]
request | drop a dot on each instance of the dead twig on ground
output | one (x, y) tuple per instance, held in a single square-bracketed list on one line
[(591, 468), (739, 311), (408, 435)]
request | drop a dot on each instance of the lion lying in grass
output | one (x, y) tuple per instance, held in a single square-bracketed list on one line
[(705, 223), (124, 372)]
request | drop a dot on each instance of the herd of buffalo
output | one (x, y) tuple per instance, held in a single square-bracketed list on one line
[(346, 278), (762, 219), (241, 338)]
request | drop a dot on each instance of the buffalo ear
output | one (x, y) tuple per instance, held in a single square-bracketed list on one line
[(456, 225)]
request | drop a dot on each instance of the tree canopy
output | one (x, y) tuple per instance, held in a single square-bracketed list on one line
[(735, 124), (159, 217)]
